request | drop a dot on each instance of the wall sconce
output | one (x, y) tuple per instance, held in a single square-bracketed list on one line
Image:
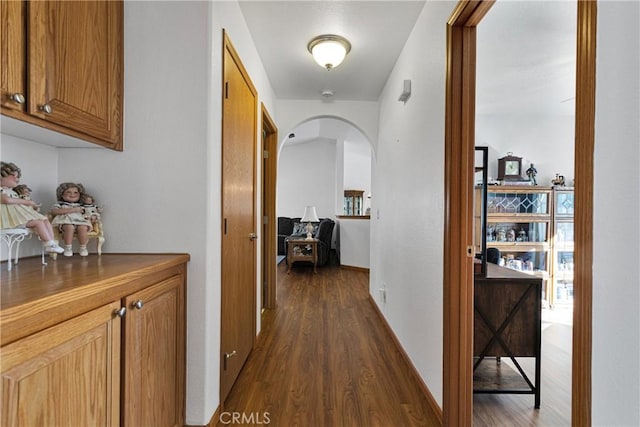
[(406, 91), (329, 50)]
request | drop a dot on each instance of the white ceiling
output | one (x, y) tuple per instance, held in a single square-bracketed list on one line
[(526, 54), (526, 66), (377, 31)]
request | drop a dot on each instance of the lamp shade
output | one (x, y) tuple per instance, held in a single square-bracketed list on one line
[(329, 50), (310, 214)]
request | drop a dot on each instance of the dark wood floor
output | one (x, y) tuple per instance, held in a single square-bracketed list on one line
[(323, 358)]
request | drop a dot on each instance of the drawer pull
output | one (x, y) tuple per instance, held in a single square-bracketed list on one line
[(138, 304), (120, 312)]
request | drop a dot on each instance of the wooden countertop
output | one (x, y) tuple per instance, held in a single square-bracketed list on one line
[(495, 271), (34, 296)]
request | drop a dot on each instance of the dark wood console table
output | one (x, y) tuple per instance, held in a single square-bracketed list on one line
[(507, 323)]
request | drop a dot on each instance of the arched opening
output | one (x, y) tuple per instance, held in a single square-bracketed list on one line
[(318, 160)]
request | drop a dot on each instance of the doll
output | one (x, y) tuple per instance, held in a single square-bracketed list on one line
[(19, 212), (24, 192), (69, 217), (90, 211)]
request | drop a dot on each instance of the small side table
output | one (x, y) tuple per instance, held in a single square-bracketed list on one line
[(302, 249)]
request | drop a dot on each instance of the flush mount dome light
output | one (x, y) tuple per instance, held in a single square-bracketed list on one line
[(329, 50)]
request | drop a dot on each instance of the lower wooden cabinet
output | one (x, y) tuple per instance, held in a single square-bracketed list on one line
[(66, 375), (153, 384), (121, 364)]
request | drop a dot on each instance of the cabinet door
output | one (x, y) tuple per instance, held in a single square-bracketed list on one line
[(154, 350), (75, 66), (66, 375), (12, 54)]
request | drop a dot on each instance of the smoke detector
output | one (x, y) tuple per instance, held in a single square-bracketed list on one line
[(327, 93)]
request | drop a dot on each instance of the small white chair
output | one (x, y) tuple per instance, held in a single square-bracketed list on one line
[(15, 236)]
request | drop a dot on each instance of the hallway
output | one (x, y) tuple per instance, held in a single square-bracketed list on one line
[(323, 358)]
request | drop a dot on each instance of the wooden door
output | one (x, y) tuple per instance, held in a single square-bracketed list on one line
[(66, 375), (12, 55), (75, 66), (154, 349), (239, 125)]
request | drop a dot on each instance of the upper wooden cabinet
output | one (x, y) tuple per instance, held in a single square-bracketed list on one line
[(12, 54), (74, 80)]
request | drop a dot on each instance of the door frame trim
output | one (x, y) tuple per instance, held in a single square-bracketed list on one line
[(270, 164), (458, 237)]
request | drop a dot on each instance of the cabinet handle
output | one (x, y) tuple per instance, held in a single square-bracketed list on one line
[(46, 108), (138, 304), (120, 312), (18, 98)]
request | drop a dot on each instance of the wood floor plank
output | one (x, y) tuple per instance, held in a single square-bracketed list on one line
[(555, 392), (324, 359)]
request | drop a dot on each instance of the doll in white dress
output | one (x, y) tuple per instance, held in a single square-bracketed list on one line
[(69, 217), (16, 212), (91, 211)]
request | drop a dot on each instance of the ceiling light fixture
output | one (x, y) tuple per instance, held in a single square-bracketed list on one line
[(329, 50)]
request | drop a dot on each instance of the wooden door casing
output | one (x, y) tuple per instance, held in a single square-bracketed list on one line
[(457, 400), (269, 233), (238, 289), (68, 374)]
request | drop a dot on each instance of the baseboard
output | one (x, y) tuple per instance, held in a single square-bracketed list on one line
[(423, 387), (352, 267)]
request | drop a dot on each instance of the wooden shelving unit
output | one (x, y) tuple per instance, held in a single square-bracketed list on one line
[(533, 229)]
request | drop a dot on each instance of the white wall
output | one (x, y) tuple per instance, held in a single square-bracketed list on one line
[(307, 177), (407, 218), (546, 141), (616, 234), (357, 170), (363, 115), (354, 238)]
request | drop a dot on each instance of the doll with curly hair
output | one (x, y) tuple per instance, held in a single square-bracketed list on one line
[(16, 212), (69, 217)]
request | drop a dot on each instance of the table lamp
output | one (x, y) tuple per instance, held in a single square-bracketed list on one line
[(310, 216)]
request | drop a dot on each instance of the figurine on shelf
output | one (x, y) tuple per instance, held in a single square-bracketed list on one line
[(522, 236), (558, 181), (531, 174), (16, 212), (69, 217)]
